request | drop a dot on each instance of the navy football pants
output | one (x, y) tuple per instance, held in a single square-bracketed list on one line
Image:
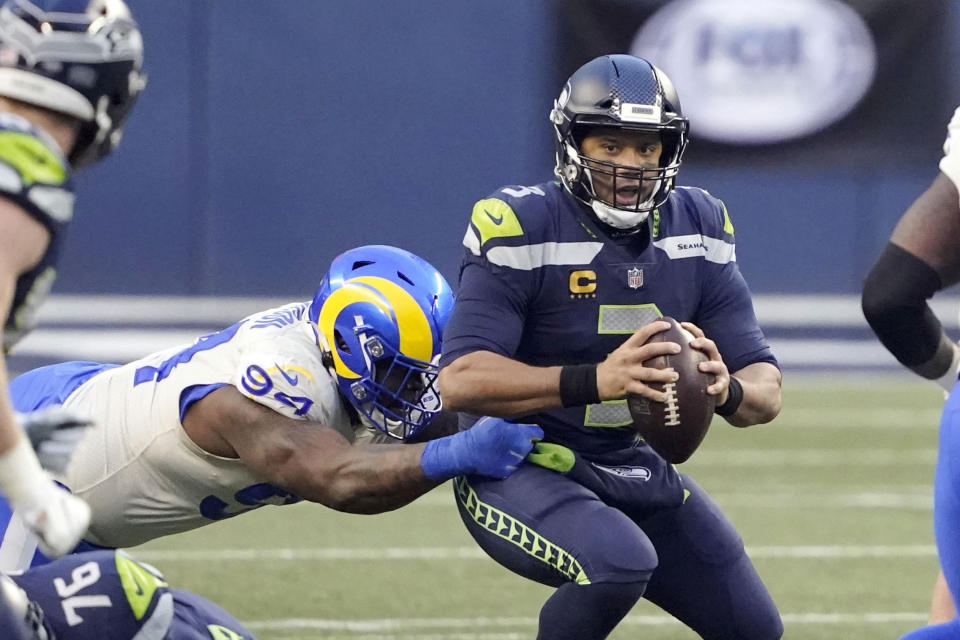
[(548, 528)]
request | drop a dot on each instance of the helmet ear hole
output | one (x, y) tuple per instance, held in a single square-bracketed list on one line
[(340, 342)]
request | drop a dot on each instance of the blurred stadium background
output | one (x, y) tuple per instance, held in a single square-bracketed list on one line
[(274, 135)]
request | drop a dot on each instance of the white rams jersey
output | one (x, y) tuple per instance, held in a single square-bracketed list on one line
[(137, 468), (950, 163)]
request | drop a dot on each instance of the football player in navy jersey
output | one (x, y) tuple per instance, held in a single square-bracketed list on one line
[(69, 75), (107, 595), (560, 287), (922, 258)]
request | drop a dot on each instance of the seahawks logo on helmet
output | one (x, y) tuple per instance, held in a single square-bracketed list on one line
[(81, 58)]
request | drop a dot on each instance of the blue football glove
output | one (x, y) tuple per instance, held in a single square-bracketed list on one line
[(492, 447)]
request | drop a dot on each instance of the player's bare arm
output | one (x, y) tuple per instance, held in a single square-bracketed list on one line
[(930, 229), (22, 243), (920, 260), (760, 382), (483, 382), (762, 398), (319, 464), (313, 461)]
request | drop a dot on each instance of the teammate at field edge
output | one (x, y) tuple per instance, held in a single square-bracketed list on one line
[(307, 401), (69, 75), (922, 258), (560, 287)]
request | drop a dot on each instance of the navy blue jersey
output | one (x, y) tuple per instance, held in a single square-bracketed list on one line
[(35, 175), (542, 283), (107, 595), (104, 594)]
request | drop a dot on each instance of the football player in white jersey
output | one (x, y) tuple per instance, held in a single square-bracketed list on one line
[(922, 258), (278, 407), (69, 74)]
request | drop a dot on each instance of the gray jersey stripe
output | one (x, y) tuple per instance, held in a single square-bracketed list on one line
[(696, 245), (534, 256), (157, 625)]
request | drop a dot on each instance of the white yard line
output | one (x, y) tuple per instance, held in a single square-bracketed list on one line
[(377, 626), (910, 497), (474, 553), (839, 457)]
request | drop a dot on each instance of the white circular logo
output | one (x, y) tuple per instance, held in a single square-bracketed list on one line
[(750, 72)]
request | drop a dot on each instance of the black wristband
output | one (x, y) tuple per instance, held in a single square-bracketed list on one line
[(578, 385), (734, 398)]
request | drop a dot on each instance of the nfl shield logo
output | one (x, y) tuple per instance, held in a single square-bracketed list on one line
[(635, 278)]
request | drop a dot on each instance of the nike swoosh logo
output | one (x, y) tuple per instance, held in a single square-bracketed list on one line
[(139, 588), (492, 219), (293, 380)]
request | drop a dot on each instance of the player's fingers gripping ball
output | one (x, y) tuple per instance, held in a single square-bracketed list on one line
[(675, 428)]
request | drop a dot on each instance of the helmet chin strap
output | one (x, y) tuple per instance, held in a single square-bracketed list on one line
[(618, 218)]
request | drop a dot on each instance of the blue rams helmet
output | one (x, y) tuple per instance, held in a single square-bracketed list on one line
[(623, 92), (381, 312), (20, 617), (81, 58)]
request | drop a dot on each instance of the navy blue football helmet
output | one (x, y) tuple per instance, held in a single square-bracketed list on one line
[(81, 58), (20, 617), (381, 312), (624, 92)]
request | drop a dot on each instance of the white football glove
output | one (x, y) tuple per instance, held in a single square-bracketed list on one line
[(950, 164), (948, 379), (58, 518)]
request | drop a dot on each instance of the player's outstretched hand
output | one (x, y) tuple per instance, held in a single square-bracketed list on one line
[(492, 447), (623, 371), (58, 518)]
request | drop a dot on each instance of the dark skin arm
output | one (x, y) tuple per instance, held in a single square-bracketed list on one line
[(930, 229), (762, 398), (486, 383), (311, 460)]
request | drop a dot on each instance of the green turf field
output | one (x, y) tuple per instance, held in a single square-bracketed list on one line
[(833, 500)]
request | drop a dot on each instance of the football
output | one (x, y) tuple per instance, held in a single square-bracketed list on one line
[(675, 428)]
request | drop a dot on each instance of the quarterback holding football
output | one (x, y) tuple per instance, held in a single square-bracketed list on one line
[(562, 289)]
